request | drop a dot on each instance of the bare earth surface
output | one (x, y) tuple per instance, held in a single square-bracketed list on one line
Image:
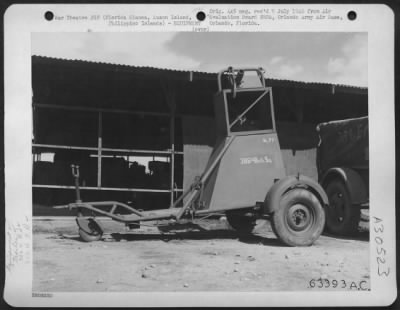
[(212, 258)]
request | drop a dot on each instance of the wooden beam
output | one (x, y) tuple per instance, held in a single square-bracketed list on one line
[(144, 190), (68, 147), (104, 149), (89, 109), (104, 110)]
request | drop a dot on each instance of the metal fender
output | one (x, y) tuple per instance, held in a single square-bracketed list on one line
[(272, 200), (352, 180)]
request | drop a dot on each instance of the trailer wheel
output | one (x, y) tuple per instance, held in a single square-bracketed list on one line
[(93, 233), (240, 221), (342, 217), (300, 219)]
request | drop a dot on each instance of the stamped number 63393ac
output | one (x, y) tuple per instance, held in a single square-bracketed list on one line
[(339, 284)]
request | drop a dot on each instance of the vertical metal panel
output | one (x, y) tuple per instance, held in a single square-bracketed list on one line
[(246, 172)]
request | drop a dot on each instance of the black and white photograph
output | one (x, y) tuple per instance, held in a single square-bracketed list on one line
[(201, 161), (219, 153)]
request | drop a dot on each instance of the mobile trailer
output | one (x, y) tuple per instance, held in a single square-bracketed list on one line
[(244, 177)]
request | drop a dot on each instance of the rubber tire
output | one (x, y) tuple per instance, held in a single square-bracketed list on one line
[(241, 222), (351, 217), (311, 232), (95, 234)]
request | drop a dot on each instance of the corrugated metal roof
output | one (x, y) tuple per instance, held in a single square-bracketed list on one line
[(195, 75)]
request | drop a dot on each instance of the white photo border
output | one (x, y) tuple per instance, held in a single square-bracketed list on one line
[(20, 21)]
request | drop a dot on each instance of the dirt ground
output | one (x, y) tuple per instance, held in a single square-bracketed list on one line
[(208, 257)]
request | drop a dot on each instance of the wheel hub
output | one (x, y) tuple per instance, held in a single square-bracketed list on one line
[(299, 217), (337, 206)]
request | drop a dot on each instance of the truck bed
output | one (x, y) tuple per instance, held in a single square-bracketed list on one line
[(343, 143)]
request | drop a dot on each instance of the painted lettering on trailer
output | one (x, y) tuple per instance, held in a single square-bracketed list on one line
[(255, 160), (268, 140)]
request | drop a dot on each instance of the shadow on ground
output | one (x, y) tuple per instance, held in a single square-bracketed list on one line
[(209, 231), (200, 235), (359, 236), (180, 234)]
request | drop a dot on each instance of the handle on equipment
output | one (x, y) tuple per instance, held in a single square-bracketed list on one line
[(231, 72)]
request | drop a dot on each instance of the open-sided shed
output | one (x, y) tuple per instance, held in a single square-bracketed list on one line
[(141, 134)]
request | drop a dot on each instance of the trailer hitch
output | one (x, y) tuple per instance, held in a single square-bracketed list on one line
[(75, 174)]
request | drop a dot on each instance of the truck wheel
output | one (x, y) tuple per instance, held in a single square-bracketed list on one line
[(342, 217), (94, 232), (300, 219), (240, 221)]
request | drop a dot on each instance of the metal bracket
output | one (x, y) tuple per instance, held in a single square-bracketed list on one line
[(75, 170)]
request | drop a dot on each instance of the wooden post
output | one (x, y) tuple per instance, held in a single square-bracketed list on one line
[(172, 164), (99, 148)]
